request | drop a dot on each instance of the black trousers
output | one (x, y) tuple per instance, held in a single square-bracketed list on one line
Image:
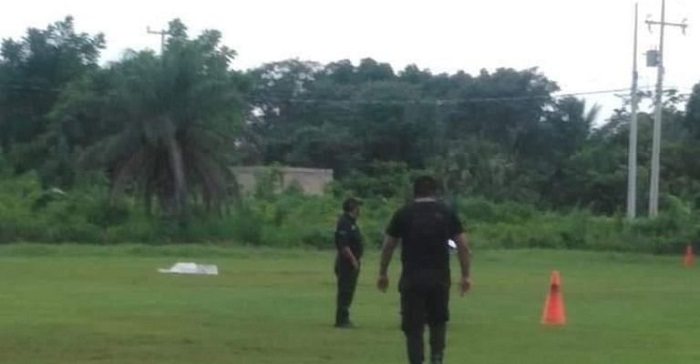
[(425, 300), (346, 275)]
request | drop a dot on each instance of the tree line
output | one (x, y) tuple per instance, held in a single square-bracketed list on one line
[(166, 127)]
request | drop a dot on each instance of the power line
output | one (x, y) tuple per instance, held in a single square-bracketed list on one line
[(25, 86), (449, 101)]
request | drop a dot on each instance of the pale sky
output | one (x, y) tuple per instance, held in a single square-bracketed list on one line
[(583, 45)]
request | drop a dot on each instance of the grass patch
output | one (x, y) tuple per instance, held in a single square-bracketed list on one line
[(82, 304)]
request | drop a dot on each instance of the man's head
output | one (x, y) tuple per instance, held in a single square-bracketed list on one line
[(425, 186), (351, 206)]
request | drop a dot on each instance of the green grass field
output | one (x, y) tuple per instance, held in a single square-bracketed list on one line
[(70, 304)]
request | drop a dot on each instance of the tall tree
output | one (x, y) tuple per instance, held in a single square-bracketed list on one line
[(33, 72), (176, 118), (277, 106)]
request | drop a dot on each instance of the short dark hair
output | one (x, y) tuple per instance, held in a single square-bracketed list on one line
[(425, 186), (351, 203)]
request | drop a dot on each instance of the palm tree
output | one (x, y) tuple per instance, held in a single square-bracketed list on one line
[(177, 117)]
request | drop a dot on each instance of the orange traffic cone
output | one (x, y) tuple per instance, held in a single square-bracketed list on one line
[(689, 258), (554, 306)]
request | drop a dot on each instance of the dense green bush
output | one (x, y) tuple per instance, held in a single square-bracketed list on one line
[(290, 219), (378, 180)]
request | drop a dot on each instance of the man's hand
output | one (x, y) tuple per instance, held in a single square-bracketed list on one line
[(465, 284), (383, 283), (355, 264)]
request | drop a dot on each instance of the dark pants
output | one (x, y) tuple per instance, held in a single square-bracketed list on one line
[(347, 281), (424, 300)]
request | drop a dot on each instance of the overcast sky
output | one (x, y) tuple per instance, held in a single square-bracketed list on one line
[(584, 45)]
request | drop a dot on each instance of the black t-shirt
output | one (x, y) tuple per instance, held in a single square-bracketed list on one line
[(424, 228), (347, 234)]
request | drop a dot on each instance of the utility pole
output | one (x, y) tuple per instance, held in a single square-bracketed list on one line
[(632, 163), (162, 34), (656, 145)]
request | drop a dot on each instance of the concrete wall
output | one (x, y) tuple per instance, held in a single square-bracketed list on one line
[(312, 181)]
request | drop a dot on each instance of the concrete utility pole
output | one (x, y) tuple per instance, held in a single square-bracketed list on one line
[(632, 163), (162, 34), (656, 145)]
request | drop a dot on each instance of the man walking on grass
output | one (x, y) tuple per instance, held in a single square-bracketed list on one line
[(348, 241), (424, 227)]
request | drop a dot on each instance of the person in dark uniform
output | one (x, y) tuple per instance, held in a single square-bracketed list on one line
[(424, 227), (348, 241)]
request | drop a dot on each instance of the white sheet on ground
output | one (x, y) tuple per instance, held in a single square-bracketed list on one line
[(191, 268)]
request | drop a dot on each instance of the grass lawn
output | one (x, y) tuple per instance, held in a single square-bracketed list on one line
[(70, 304)]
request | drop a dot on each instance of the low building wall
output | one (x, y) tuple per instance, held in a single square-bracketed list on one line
[(312, 181)]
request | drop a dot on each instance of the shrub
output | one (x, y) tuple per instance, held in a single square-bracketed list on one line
[(290, 219)]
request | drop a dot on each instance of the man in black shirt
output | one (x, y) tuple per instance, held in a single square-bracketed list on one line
[(424, 227), (348, 241)]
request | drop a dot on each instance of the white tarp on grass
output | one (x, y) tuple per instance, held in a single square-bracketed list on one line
[(191, 268)]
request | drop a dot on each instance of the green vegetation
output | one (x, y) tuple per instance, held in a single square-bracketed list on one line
[(30, 214), (83, 304), (139, 149)]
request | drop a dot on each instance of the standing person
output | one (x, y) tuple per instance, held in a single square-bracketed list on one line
[(348, 241), (424, 227)]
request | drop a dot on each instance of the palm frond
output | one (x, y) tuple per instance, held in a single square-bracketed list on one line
[(111, 149), (128, 170)]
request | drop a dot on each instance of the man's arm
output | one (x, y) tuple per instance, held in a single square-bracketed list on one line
[(388, 248), (347, 253), (464, 256), (342, 240)]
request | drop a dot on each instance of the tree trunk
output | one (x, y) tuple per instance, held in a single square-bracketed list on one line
[(177, 166)]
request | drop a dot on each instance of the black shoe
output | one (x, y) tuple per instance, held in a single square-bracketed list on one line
[(436, 360), (345, 325)]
